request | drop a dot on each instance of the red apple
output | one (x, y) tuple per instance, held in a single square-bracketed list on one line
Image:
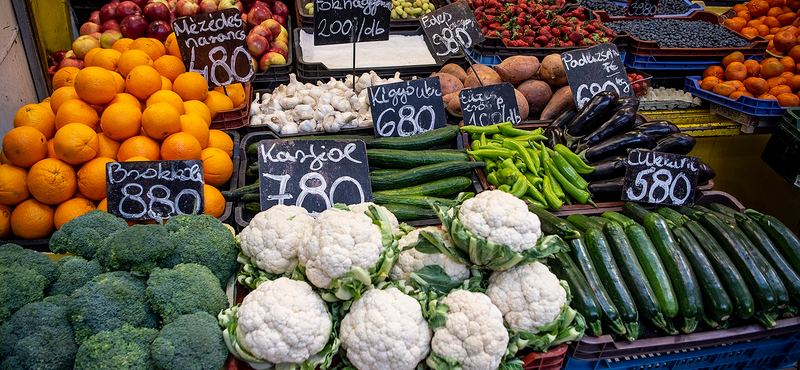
[(263, 31), (58, 55), (95, 35), (156, 12), (230, 4), (283, 36), (95, 17), (111, 24), (280, 9), (273, 26), (83, 44), (254, 62), (208, 6), (279, 45), (71, 62), (257, 15), (108, 38), (280, 19), (185, 8), (127, 8), (257, 45), (271, 59), (259, 4), (134, 26), (108, 12), (159, 30), (277, 50), (89, 28), (140, 3)]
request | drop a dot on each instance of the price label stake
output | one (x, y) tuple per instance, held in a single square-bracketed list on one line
[(407, 108), (336, 22), (313, 174), (595, 69), (642, 8), (155, 190), (451, 29), (488, 105), (660, 178), (213, 45)]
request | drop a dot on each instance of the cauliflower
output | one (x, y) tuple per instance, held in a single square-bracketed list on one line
[(364, 207), (473, 334), (385, 330), (412, 260)]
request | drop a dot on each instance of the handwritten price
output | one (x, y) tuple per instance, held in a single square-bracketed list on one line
[(306, 190), (161, 204), (642, 9), (663, 186)]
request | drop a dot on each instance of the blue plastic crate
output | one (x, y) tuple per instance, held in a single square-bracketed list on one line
[(693, 7), (649, 62), (491, 59), (745, 104), (765, 354)]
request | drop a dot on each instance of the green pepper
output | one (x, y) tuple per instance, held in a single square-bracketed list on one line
[(536, 162), (506, 176), (549, 195), (581, 196), (548, 172), (535, 194), (483, 139), (490, 130), (520, 187), (534, 137), (533, 201), (504, 188), (490, 165), (476, 144), (520, 165), (491, 153), (491, 178), (507, 129), (533, 179), (508, 164), (499, 137), (523, 154), (574, 160), (568, 172)]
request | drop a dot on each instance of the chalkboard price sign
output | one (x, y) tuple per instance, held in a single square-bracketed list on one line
[(313, 174), (155, 190), (407, 108), (451, 29), (642, 8), (660, 178), (595, 69), (213, 45), (487, 105), (336, 21)]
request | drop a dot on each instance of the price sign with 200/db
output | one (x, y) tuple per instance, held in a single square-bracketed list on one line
[(660, 178)]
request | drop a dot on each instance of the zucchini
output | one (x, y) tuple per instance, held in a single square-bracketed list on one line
[(634, 275), (599, 220), (583, 222), (581, 256), (781, 294), (404, 212), (252, 207), (251, 197), (385, 171), (422, 141), (423, 174), (235, 194), (583, 298), (619, 218), (725, 210), (411, 200), (679, 270), (393, 158), (635, 212), (438, 188), (672, 215), (552, 225), (730, 221), (767, 248), (600, 251), (786, 241)]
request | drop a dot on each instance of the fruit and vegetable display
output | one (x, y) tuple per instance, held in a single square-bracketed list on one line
[(676, 33), (774, 20), (668, 7), (770, 79)]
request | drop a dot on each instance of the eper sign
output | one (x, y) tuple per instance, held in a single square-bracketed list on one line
[(593, 70), (407, 108), (660, 178), (213, 45), (642, 8), (451, 30)]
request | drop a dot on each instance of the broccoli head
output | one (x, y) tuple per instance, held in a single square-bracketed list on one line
[(138, 248), (184, 289), (108, 302), (59, 300), (190, 342), (18, 287), (14, 255), (38, 337), (84, 234), (126, 348), (75, 272), (204, 240)]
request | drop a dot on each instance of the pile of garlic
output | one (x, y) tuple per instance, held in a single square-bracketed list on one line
[(663, 99), (324, 107)]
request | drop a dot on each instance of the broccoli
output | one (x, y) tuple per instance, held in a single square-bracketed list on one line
[(108, 302), (38, 337), (18, 287), (138, 248), (184, 289), (75, 272), (203, 240), (190, 342), (59, 300), (126, 348), (84, 234), (14, 255)]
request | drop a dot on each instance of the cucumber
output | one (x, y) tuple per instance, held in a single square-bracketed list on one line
[(252, 207), (730, 221), (392, 158), (424, 140), (634, 275), (619, 218), (581, 256), (583, 298), (438, 188), (689, 212), (599, 220), (411, 200), (786, 241), (725, 210), (781, 294), (761, 240), (583, 222), (404, 212), (735, 286), (385, 171), (235, 194), (600, 251), (552, 225), (672, 215), (635, 212), (679, 270), (647, 255), (251, 197), (423, 174)]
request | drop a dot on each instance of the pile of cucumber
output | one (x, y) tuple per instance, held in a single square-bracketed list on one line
[(677, 267)]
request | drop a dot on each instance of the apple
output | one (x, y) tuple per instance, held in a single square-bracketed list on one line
[(208, 6), (277, 50), (254, 63), (279, 45), (273, 26), (95, 17), (283, 36), (83, 44), (127, 8), (172, 4), (271, 59), (133, 27), (185, 8), (58, 55), (89, 28), (108, 12), (111, 24), (108, 38), (257, 15), (95, 35), (70, 54), (280, 19), (263, 31), (229, 4), (71, 62), (259, 4), (156, 12), (159, 30), (140, 3), (256, 44), (280, 9)]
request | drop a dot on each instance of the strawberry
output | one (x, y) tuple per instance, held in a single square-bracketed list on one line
[(609, 32), (491, 11), (576, 36), (532, 21), (528, 40), (521, 21), (529, 32), (556, 32), (590, 28), (542, 40), (505, 34)]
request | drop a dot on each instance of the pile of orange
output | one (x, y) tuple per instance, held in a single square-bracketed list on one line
[(772, 19), (132, 102), (772, 78)]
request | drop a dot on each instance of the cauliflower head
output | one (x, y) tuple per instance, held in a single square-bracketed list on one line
[(283, 321), (412, 260), (529, 296), (274, 236), (502, 219), (473, 333), (385, 330), (364, 207)]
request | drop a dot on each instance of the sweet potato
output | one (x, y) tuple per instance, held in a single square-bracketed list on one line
[(454, 106), (471, 70), (446, 98), (449, 83), (537, 94), (518, 68), (455, 70), (522, 104), (552, 71), (561, 101), (487, 78)]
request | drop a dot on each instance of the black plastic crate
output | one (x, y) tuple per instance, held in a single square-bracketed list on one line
[(305, 20), (782, 154)]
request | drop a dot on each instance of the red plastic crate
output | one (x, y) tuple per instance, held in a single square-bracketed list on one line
[(550, 360)]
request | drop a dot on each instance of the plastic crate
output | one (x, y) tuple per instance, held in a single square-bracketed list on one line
[(792, 117), (553, 359), (235, 118), (693, 7), (275, 75), (782, 153), (744, 104), (307, 20), (649, 62)]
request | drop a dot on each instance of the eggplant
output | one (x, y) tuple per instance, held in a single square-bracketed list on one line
[(554, 135), (704, 173), (640, 120), (620, 121), (627, 102), (608, 168), (600, 105), (564, 118), (658, 129), (611, 187), (677, 143), (618, 145)]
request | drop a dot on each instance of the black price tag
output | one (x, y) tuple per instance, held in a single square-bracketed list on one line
[(213, 45), (407, 108), (336, 20), (451, 29), (642, 8), (598, 68), (313, 174), (488, 105), (660, 178), (155, 190)]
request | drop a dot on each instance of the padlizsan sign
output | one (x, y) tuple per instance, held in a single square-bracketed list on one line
[(595, 69)]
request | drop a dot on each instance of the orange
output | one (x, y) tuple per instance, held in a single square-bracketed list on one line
[(190, 86), (3, 159), (214, 201), (767, 97), (736, 71), (95, 85), (52, 181), (106, 146), (139, 146), (235, 92), (217, 166), (121, 121), (753, 68), (217, 102), (24, 146), (89, 57), (122, 45), (65, 77), (193, 125), (76, 143), (32, 220), (76, 110), (161, 120), (5, 221), (780, 89), (171, 44), (787, 75), (788, 100), (180, 146), (92, 178), (166, 96), (142, 81), (13, 185), (736, 94), (132, 59), (749, 32), (107, 59), (771, 67), (37, 116), (70, 209), (715, 71), (166, 84), (763, 30), (137, 159), (784, 40), (775, 81), (787, 18), (724, 89), (736, 56), (788, 64), (152, 48), (220, 140), (103, 205), (60, 96), (125, 98), (756, 85), (709, 82), (160, 45), (794, 83), (733, 24), (169, 66), (120, 82), (51, 150), (199, 108)]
